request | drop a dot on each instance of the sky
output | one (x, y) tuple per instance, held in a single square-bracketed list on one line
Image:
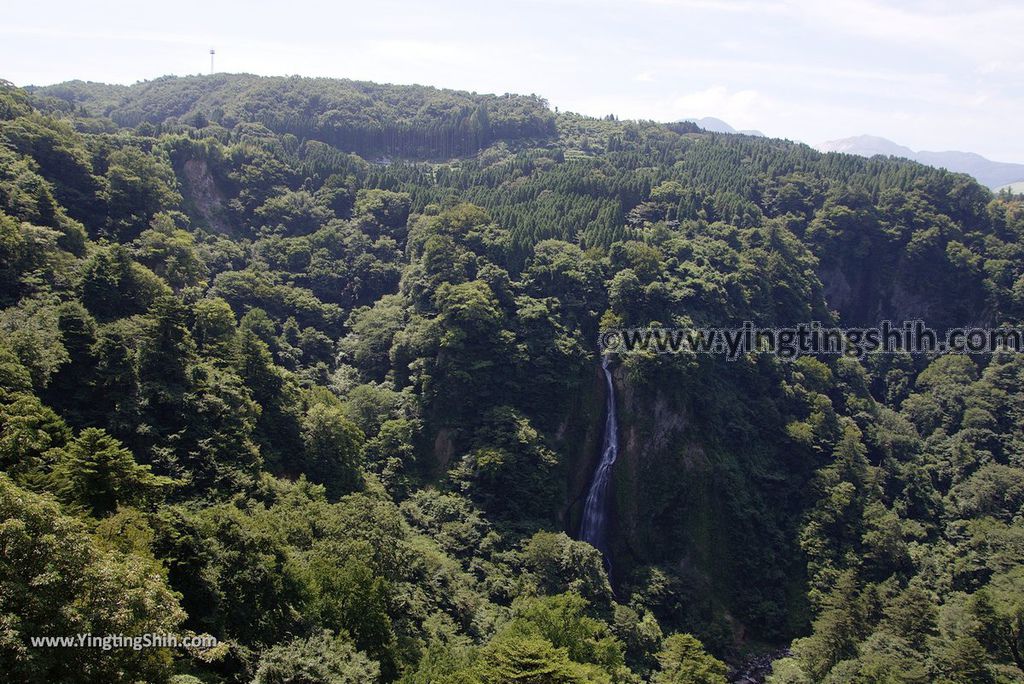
[(931, 75)]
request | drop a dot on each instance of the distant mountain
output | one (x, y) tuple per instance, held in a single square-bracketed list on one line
[(991, 173), (710, 123), (868, 146)]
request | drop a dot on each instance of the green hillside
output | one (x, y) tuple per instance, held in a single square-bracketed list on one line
[(311, 366)]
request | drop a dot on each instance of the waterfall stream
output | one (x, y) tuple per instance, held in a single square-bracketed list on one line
[(594, 527)]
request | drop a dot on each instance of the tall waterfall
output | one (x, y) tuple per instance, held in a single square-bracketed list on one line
[(594, 527)]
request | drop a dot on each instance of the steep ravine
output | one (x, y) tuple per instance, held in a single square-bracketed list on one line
[(702, 501)]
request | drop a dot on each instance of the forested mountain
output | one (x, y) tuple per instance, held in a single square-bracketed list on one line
[(355, 116), (311, 366)]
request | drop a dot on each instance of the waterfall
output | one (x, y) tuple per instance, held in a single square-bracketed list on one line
[(593, 528)]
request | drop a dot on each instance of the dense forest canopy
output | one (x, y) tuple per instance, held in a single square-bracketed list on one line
[(310, 366), (355, 116)]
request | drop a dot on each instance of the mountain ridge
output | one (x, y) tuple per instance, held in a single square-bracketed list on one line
[(990, 173), (716, 125)]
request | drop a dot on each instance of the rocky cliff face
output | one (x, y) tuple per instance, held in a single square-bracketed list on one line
[(664, 481), (579, 438), (865, 295), (700, 498), (208, 204)]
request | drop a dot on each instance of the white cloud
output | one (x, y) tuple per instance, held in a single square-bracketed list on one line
[(419, 50), (982, 33), (736, 107), (730, 6)]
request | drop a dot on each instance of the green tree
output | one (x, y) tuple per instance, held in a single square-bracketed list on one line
[(57, 580), (561, 564), (141, 185), (532, 660), (562, 621), (114, 285), (32, 331), (321, 659), (170, 252), (332, 450), (347, 596), (214, 329), (999, 610), (683, 660), (99, 474)]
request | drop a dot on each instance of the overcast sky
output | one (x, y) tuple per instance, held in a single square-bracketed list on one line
[(932, 75)]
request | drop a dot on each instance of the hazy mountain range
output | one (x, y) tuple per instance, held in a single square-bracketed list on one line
[(991, 173), (995, 175), (710, 123)]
